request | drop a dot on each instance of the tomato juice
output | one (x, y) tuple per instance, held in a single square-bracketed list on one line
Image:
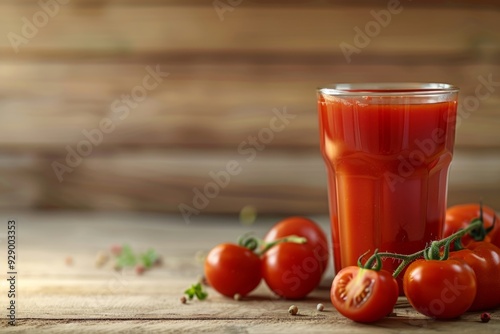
[(387, 153)]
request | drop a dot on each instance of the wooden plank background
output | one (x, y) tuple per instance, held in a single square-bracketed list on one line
[(225, 79)]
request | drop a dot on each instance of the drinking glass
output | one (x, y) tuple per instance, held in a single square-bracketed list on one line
[(387, 149)]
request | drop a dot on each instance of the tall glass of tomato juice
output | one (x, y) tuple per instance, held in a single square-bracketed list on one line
[(387, 149)]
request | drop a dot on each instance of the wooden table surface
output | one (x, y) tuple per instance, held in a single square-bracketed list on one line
[(54, 297)]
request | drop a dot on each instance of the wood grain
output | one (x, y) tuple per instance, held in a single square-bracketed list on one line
[(274, 182), (80, 30), (273, 3), (57, 298), (204, 104), (19, 183)]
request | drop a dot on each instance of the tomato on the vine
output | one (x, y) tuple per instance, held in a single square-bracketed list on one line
[(484, 259), (364, 295), (291, 270), (302, 227), (440, 289), (460, 216), (231, 269)]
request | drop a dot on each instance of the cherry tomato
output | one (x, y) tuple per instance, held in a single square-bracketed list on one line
[(302, 227), (364, 295), (484, 259), (440, 289), (232, 269), (291, 270), (460, 216), (495, 237)]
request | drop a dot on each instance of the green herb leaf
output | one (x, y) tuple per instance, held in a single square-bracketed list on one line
[(196, 290), (126, 258), (149, 258)]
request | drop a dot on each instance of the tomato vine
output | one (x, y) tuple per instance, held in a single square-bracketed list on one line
[(431, 252)]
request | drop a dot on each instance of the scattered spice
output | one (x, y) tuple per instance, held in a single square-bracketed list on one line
[(320, 307), (293, 310), (125, 257), (158, 262), (128, 258), (116, 250), (237, 297), (140, 269), (102, 259), (69, 261), (203, 280), (485, 317), (183, 299)]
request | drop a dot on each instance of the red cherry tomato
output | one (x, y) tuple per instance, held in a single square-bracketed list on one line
[(460, 216), (440, 289), (232, 269), (303, 227), (484, 259), (291, 270), (364, 295)]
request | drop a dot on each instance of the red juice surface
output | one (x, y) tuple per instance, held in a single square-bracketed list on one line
[(387, 171)]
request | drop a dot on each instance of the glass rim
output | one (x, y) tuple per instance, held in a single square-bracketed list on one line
[(387, 89)]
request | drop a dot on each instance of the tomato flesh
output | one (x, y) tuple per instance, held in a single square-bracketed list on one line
[(364, 295)]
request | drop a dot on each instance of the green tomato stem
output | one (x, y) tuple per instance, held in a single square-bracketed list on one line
[(290, 238), (434, 249), (259, 246), (249, 241), (489, 229)]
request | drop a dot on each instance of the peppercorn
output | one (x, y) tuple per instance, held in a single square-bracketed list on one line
[(485, 317), (293, 310)]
